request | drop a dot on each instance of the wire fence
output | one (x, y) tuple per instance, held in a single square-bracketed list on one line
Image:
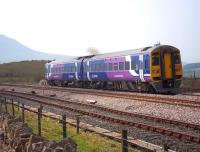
[(57, 127)]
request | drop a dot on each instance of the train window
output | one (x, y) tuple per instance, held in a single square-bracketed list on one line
[(95, 67), (92, 67), (177, 58), (79, 67), (146, 64), (105, 67), (121, 65), (155, 60), (100, 67), (72, 68), (110, 66), (134, 65), (115, 66), (87, 68), (127, 65)]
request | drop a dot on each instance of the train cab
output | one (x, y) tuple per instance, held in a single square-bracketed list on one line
[(166, 69)]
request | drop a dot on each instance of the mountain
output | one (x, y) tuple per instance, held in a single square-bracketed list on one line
[(189, 70), (12, 50)]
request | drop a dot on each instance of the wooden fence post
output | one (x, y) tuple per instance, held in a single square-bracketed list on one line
[(64, 126), (13, 108), (23, 118), (18, 104), (165, 147), (6, 105), (124, 141), (39, 119), (77, 124), (1, 106)]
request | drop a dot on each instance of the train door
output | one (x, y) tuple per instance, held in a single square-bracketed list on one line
[(141, 72), (77, 71), (146, 65), (167, 68), (167, 65)]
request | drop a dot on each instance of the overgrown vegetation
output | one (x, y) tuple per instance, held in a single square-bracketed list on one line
[(86, 141), (24, 71)]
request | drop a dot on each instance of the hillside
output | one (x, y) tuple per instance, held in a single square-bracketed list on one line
[(189, 70), (24, 71), (12, 50)]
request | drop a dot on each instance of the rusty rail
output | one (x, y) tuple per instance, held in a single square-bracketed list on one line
[(124, 95), (167, 132)]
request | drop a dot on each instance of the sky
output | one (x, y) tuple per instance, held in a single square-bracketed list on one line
[(70, 27)]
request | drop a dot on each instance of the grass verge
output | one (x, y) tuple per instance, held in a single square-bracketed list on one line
[(86, 141)]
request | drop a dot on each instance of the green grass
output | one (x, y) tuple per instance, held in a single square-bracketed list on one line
[(86, 141)]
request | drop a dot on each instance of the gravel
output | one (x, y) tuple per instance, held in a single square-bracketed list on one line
[(174, 112)]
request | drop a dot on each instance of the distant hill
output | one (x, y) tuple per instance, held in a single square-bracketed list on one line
[(189, 70), (12, 50), (23, 71)]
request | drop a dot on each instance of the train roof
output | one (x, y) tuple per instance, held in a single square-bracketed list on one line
[(107, 55), (68, 60), (121, 53)]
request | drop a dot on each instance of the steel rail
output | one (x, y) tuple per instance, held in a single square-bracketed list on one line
[(163, 131), (103, 108), (155, 99)]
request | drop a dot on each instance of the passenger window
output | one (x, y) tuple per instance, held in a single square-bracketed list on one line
[(101, 67), (115, 66), (146, 64), (134, 65), (155, 60), (105, 67), (127, 65), (121, 65), (110, 67), (177, 58), (97, 67)]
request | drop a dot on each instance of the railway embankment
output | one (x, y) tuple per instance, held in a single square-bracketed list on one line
[(19, 137)]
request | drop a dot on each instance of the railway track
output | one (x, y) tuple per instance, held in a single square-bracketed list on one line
[(124, 95), (176, 129)]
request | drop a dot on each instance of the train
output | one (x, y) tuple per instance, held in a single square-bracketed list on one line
[(154, 69)]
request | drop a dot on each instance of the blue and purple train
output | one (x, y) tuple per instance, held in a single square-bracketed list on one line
[(150, 69)]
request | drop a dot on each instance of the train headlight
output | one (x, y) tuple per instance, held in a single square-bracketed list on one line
[(155, 71)]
